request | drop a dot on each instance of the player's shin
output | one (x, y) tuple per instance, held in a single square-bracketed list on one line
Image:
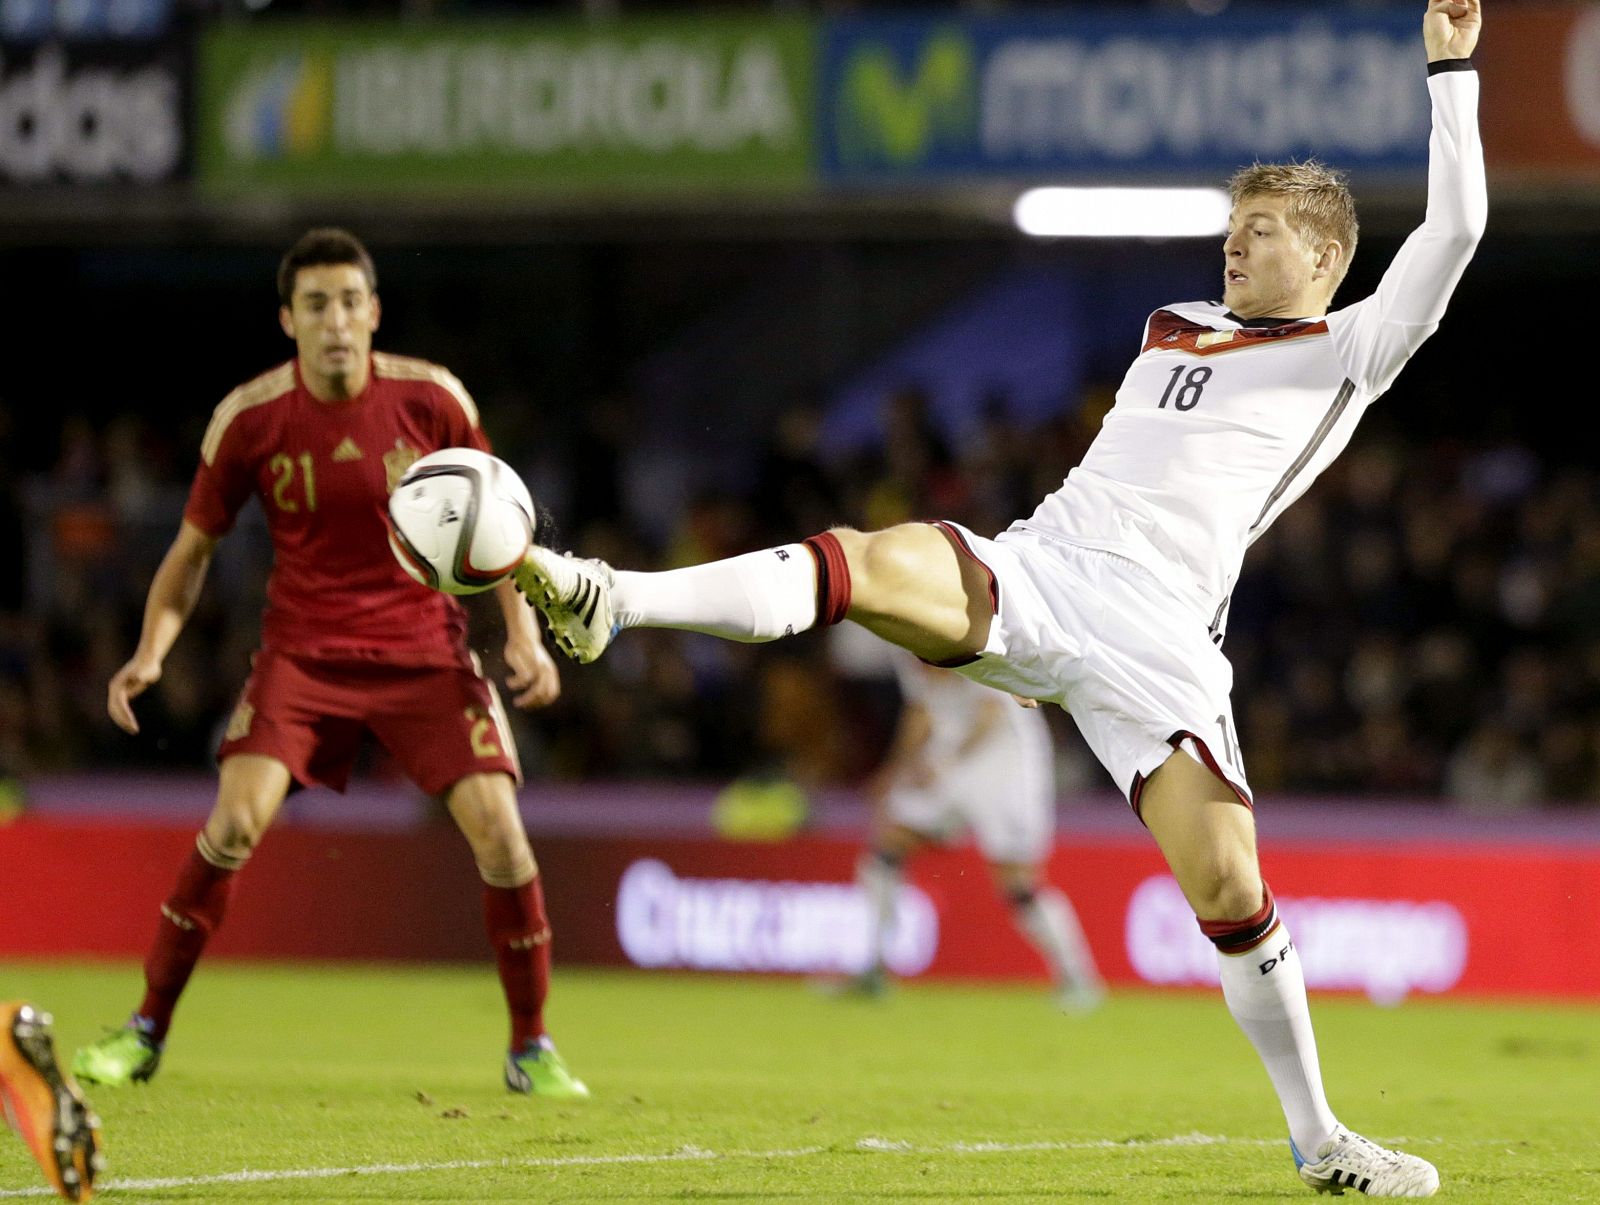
[(1048, 920), (878, 875), (756, 597), (1266, 993), (519, 932), (189, 916)]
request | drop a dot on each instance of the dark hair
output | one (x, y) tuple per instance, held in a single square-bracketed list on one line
[(324, 245)]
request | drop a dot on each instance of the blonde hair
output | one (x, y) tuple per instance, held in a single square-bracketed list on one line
[(1319, 208)]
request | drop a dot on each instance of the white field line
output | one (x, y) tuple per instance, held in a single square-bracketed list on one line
[(685, 1154)]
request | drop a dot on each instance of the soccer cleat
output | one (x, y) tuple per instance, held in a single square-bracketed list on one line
[(537, 1070), (45, 1106), (123, 1056), (575, 597), (1350, 1161)]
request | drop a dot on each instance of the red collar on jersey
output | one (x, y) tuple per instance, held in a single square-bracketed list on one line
[(1170, 332)]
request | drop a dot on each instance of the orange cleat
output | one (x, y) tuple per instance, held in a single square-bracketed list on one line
[(44, 1105)]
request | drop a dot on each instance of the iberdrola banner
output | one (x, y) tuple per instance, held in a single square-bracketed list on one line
[(498, 107)]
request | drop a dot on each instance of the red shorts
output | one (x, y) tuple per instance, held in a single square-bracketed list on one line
[(440, 724)]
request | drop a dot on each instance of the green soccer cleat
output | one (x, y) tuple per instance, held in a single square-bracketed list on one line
[(124, 1056), (537, 1070)]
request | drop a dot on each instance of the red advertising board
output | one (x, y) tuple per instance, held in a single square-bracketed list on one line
[(1541, 91), (1387, 919)]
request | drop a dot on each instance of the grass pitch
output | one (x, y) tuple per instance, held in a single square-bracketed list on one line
[(296, 1083)]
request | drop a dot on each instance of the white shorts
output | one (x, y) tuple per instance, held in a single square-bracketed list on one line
[(1003, 792), (1100, 636)]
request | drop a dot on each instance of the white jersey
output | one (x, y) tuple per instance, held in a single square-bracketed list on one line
[(1221, 423), (956, 708), (989, 767)]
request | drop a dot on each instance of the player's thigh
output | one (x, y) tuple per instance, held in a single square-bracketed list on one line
[(484, 807), (914, 586), (442, 726), (250, 790), (1148, 679), (1207, 837)]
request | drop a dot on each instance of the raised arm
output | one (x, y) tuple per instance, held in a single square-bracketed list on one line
[(1377, 336)]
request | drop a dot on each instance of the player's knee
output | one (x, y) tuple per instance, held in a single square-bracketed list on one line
[(234, 833), (1229, 889), (1020, 896), (506, 864)]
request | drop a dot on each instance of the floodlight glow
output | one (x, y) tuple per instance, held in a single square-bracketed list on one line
[(1122, 212)]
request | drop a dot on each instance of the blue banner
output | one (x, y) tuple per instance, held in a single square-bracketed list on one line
[(1074, 94), (105, 20)]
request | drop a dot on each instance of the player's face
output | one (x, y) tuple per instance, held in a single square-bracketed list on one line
[(1268, 270), (331, 319)]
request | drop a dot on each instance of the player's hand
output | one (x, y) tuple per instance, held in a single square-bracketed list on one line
[(1450, 28), (534, 678), (127, 684)]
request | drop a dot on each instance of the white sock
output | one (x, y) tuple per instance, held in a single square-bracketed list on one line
[(880, 881), (1266, 993), (1051, 923), (759, 596)]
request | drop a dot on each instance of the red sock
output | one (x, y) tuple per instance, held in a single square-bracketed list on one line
[(1239, 936), (833, 578), (520, 935), (189, 916)]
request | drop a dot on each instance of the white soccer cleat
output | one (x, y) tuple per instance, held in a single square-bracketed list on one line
[(1350, 1161), (574, 596)]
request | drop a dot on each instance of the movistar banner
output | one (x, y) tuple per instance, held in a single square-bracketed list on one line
[(639, 105), (917, 99)]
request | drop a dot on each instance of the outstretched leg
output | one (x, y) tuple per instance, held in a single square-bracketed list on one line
[(909, 584)]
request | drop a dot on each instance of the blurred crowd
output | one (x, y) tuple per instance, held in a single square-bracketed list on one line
[(1425, 622)]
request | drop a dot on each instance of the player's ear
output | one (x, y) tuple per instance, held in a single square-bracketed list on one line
[(1328, 261), (377, 311), (286, 320)]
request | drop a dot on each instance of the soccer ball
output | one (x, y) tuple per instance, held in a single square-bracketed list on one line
[(460, 521)]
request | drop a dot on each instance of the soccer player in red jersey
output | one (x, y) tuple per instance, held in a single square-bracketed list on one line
[(349, 644)]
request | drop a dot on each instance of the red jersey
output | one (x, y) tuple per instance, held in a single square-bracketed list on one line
[(324, 471)]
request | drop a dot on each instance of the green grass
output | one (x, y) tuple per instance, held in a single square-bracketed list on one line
[(767, 1092)]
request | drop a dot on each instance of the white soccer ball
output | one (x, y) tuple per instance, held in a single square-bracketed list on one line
[(460, 520)]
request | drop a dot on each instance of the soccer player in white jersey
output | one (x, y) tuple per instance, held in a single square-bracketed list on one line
[(1111, 599), (963, 757)]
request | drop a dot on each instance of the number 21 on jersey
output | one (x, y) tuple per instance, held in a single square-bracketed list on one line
[(286, 492)]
